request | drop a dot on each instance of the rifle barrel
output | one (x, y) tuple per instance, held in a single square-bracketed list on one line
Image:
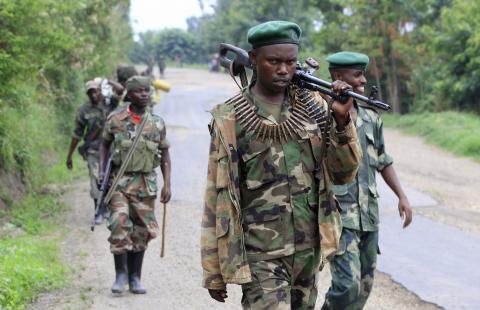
[(303, 76)]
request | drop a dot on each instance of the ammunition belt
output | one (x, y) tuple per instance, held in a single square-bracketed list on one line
[(305, 110)]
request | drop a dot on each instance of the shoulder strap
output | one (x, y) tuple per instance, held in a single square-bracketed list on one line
[(128, 157)]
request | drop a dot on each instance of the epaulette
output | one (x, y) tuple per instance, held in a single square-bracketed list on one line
[(367, 106), (117, 111)]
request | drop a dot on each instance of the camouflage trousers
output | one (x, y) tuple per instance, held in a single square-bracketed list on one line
[(352, 270), (288, 282), (132, 222), (92, 163)]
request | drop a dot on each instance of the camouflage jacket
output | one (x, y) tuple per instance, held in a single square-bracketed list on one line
[(224, 256), (140, 177), (89, 122), (358, 199)]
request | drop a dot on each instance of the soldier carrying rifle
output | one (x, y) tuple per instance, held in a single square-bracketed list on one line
[(269, 205), (139, 146)]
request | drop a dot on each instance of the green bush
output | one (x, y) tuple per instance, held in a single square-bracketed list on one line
[(28, 267)]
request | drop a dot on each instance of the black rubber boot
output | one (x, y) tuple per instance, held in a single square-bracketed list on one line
[(121, 273), (135, 260)]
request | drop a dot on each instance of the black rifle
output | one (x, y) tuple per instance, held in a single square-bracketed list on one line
[(303, 79), (101, 207)]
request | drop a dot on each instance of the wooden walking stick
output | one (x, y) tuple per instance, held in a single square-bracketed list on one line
[(164, 229)]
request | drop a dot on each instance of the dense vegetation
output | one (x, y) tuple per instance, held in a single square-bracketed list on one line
[(48, 49), (424, 53)]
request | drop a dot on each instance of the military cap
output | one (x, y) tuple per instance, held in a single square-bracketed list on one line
[(274, 32), (124, 72), (91, 85), (348, 60), (138, 81)]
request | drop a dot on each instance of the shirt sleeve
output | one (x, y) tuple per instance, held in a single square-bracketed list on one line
[(384, 159), (164, 144), (80, 124)]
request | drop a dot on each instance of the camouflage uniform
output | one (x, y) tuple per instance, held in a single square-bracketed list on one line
[(90, 118), (132, 220), (262, 219), (353, 267)]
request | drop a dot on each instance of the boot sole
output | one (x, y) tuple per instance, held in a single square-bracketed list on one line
[(138, 292)]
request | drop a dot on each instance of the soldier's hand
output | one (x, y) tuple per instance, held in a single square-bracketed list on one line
[(69, 163), (405, 211), (341, 109), (165, 194), (218, 295)]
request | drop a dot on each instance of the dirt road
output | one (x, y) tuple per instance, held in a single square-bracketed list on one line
[(174, 282)]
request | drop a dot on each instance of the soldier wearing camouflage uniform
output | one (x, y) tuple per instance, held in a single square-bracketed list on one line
[(353, 267), (89, 122), (132, 220), (269, 209)]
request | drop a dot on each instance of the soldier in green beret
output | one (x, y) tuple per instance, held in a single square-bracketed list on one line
[(132, 220), (269, 206), (353, 267)]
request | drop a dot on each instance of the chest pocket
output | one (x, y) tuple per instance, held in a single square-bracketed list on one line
[(258, 165), (145, 158)]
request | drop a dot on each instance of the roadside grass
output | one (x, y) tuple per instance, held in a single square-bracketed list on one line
[(30, 238), (457, 132)]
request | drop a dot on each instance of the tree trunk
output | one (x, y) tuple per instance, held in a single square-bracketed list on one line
[(396, 108), (376, 74)]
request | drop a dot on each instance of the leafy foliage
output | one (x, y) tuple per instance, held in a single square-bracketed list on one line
[(423, 53), (168, 43), (48, 49)]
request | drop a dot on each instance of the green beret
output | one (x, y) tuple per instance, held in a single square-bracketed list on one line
[(124, 72), (138, 81), (274, 32), (348, 60)]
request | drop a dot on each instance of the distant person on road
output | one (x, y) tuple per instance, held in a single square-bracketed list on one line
[(269, 206), (89, 123), (132, 220), (161, 66), (353, 267)]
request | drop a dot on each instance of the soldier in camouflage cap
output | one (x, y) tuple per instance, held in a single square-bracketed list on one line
[(353, 267), (269, 208), (89, 123), (132, 219)]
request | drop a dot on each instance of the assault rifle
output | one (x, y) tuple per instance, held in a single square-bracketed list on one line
[(101, 207), (302, 78)]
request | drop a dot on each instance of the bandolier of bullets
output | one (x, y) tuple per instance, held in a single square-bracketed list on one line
[(305, 110)]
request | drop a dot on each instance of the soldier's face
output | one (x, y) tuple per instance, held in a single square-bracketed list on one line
[(94, 95), (275, 65), (140, 96), (355, 77)]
